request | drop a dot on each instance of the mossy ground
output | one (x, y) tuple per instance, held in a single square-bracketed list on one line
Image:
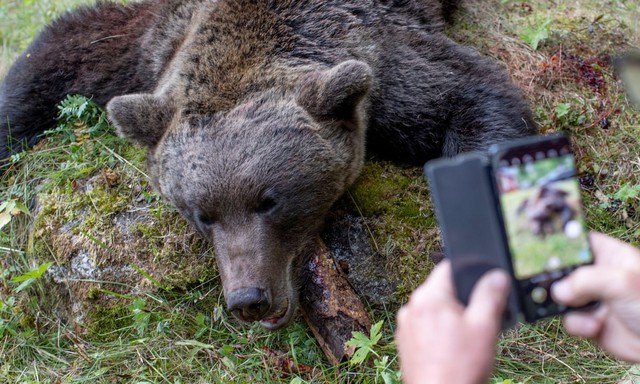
[(181, 333)]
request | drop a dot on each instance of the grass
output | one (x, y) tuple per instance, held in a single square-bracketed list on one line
[(22, 19), (173, 328)]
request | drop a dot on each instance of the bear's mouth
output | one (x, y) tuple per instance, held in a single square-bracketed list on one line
[(280, 318)]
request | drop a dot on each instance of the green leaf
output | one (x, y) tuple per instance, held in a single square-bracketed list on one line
[(358, 339), (30, 277), (82, 108), (197, 344), (627, 192), (20, 208), (141, 316), (534, 34), (24, 285), (360, 355), (11, 208), (562, 110), (388, 378), (201, 321), (98, 242), (228, 362), (376, 333), (116, 294), (364, 344), (32, 274)]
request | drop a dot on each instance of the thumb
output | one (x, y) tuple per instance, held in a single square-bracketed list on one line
[(489, 298), (590, 283)]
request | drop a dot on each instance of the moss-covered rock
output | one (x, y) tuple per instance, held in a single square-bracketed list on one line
[(110, 240)]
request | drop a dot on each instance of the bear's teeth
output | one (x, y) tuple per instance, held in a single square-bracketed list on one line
[(275, 320)]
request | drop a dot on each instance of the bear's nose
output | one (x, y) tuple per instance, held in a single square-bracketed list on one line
[(248, 304)]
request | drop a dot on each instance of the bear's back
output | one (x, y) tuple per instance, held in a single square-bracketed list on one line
[(238, 47)]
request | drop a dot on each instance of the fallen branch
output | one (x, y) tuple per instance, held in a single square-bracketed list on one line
[(330, 307)]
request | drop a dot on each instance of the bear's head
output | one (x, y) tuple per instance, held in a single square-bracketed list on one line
[(258, 179)]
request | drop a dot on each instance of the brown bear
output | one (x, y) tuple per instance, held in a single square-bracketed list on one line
[(256, 114), (548, 210)]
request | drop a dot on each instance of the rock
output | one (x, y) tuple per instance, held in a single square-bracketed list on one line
[(103, 240), (348, 243)]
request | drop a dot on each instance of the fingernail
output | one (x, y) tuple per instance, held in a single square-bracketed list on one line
[(561, 290), (498, 279)]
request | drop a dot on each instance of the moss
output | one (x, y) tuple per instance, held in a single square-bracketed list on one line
[(94, 293), (116, 223), (395, 203), (390, 190), (27, 321), (105, 324)]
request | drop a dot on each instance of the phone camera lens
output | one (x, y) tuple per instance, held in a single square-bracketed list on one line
[(539, 295)]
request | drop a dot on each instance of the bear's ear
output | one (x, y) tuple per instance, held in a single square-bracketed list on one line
[(141, 118), (337, 92)]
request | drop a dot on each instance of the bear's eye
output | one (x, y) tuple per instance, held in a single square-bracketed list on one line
[(266, 205), (206, 219)]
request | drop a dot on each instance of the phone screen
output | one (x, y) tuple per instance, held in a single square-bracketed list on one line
[(542, 212)]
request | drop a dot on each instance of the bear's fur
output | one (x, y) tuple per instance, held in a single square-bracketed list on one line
[(255, 113), (548, 210)]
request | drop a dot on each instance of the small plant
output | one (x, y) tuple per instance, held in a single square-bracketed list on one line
[(8, 317), (80, 123), (30, 277), (364, 344), (365, 348), (141, 316), (627, 193), (80, 120), (562, 110), (535, 33), (10, 209)]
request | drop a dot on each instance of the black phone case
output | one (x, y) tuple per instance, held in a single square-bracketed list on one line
[(474, 240)]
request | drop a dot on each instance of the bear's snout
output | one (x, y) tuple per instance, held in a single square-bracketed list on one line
[(249, 304)]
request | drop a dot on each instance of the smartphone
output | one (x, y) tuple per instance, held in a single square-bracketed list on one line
[(541, 209), (463, 195), (627, 68)]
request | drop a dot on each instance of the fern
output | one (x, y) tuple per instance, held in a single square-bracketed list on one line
[(80, 120)]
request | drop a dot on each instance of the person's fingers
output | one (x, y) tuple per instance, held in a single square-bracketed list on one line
[(489, 298), (611, 251), (437, 288), (590, 283), (401, 317), (584, 324)]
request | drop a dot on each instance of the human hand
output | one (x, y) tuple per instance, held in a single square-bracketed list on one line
[(614, 280), (441, 341)]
